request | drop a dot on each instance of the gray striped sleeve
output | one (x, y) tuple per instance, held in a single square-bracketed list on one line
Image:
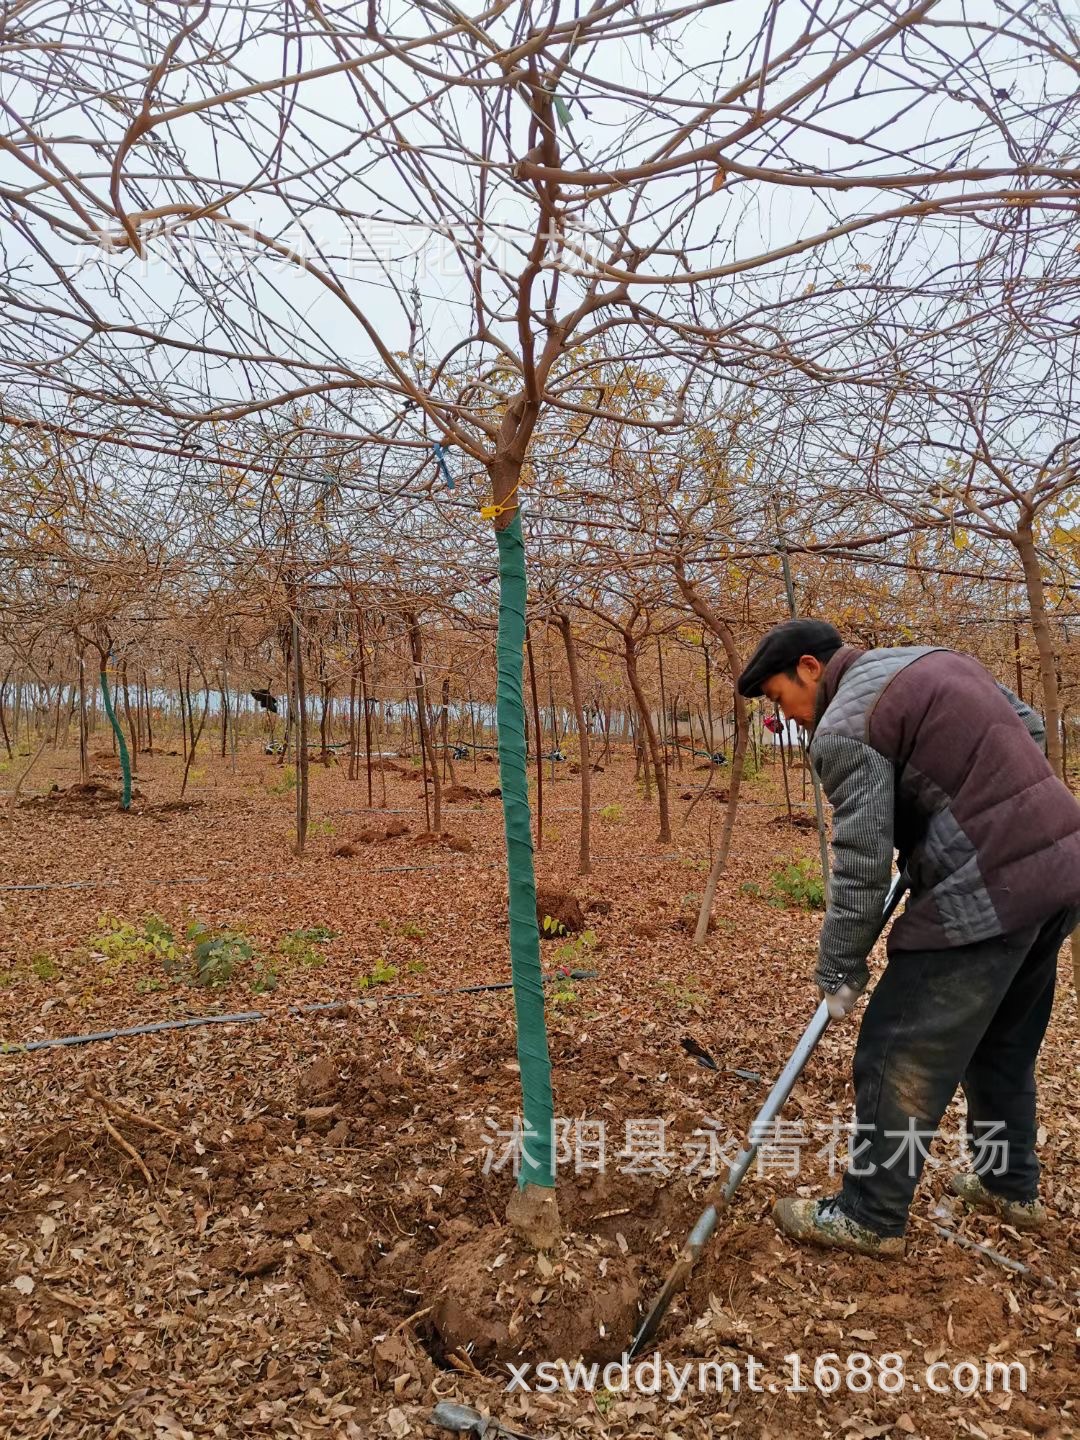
[(1031, 718), (860, 785)]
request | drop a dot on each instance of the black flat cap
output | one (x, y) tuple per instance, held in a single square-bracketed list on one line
[(781, 648)]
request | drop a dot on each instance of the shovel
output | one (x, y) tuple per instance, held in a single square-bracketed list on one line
[(774, 1103)]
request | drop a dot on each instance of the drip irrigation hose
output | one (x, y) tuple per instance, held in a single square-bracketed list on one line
[(242, 1017)]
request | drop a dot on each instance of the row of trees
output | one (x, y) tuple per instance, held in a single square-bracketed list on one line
[(697, 296)]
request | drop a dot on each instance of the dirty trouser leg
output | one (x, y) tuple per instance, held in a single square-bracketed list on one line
[(922, 1025), (999, 1083)]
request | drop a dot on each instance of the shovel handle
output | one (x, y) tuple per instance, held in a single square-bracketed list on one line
[(785, 1082), (774, 1101)]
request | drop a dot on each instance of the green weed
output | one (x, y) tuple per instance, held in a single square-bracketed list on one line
[(799, 884), (218, 954), (120, 943), (577, 950), (44, 966), (381, 973), (285, 784), (299, 945), (688, 996), (265, 978)]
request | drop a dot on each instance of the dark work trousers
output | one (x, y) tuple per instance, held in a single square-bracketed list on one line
[(973, 1016)]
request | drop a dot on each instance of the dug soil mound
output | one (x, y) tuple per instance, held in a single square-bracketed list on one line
[(495, 1300), (558, 913)]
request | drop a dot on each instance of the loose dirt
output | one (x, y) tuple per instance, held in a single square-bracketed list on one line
[(297, 1226)]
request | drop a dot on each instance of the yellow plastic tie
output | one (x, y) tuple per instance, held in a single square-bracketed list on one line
[(492, 512)]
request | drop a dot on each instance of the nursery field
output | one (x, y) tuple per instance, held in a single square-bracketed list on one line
[(295, 1225)]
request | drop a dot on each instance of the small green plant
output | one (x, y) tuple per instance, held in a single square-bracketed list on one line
[(552, 926), (611, 812), (119, 943), (410, 930), (218, 954), (381, 973), (798, 884), (299, 945), (750, 766), (688, 996), (44, 966), (321, 827), (604, 1400), (689, 863), (574, 951), (148, 985), (415, 967), (285, 784), (265, 978)]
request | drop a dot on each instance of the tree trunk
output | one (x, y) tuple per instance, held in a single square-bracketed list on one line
[(783, 764), (118, 735), (664, 737), (427, 747), (84, 748), (196, 735), (704, 611), (445, 727), (533, 1211), (1024, 540), (584, 859), (132, 727), (366, 702), (149, 726), (3, 722), (354, 738), (651, 738), (302, 771), (326, 692)]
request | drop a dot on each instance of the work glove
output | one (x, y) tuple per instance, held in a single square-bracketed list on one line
[(842, 1001)]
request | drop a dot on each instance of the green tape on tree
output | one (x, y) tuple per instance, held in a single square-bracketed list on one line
[(125, 760), (538, 1108)]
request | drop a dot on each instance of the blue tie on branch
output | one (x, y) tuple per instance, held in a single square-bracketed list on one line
[(439, 452)]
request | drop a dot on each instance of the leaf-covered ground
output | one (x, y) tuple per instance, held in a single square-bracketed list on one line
[(264, 1228)]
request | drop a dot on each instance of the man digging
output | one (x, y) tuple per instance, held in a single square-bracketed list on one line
[(920, 751)]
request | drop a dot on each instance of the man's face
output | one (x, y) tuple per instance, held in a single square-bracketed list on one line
[(796, 696)]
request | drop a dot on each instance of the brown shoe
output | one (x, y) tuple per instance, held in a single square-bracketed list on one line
[(1021, 1214), (822, 1223)]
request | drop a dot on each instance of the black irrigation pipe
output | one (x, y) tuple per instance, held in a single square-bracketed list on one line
[(244, 1017)]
